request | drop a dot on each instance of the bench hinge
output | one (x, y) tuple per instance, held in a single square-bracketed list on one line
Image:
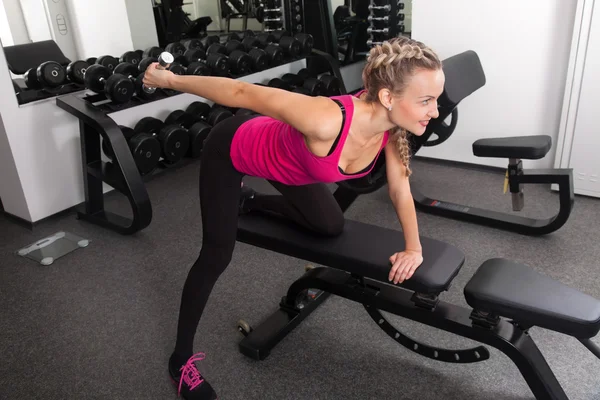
[(484, 319), (427, 301)]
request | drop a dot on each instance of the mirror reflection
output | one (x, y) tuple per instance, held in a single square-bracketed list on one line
[(50, 43)]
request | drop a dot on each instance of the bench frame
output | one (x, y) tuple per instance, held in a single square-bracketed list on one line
[(507, 336)]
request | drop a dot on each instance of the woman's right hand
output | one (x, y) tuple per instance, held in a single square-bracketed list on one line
[(157, 77)]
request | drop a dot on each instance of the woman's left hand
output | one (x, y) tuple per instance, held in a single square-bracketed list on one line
[(404, 265)]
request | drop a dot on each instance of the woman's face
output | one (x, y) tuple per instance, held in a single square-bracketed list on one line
[(418, 104)]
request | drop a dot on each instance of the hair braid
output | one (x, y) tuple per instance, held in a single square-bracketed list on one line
[(390, 65)]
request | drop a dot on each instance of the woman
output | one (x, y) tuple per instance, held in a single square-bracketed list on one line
[(299, 143)]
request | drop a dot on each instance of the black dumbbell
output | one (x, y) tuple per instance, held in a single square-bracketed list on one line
[(152, 52), (239, 61), (196, 128), (211, 114), (131, 57), (145, 63), (332, 84), (173, 139), (191, 44), (177, 49), (258, 57), (144, 148), (290, 46), (287, 41), (309, 86), (117, 87), (131, 71), (76, 71), (49, 74), (108, 61)]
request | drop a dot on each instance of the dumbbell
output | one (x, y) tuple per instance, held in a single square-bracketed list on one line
[(196, 128), (131, 57), (108, 61), (116, 87), (173, 139), (191, 44), (332, 84), (211, 114), (386, 7), (306, 40), (258, 57), (144, 148), (49, 74), (165, 59), (177, 49), (370, 30), (295, 83), (239, 61), (152, 52), (371, 18), (76, 71), (131, 71), (290, 46)]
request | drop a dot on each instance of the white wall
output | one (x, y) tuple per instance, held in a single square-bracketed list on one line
[(101, 28), (6, 37), (524, 48), (16, 21), (141, 24), (35, 19)]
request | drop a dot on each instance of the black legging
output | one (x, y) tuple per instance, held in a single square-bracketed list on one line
[(312, 206)]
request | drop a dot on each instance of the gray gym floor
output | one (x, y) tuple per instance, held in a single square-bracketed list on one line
[(100, 323)]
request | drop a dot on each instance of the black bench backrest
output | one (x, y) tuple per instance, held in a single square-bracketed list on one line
[(22, 57)]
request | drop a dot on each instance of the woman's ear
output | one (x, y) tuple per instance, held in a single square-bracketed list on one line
[(385, 98)]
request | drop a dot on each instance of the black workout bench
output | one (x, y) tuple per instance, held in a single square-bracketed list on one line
[(507, 298)]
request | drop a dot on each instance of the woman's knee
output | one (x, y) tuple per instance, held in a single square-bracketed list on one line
[(331, 224)]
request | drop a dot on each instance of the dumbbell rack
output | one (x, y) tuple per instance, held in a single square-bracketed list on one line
[(386, 20), (122, 173)]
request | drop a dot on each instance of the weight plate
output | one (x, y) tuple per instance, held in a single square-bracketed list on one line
[(234, 45), (259, 58), (250, 43), (51, 74), (181, 118), (195, 55), (217, 48), (177, 69), (128, 133), (95, 76), (175, 143), (218, 114), (199, 108), (119, 89), (152, 52), (130, 57), (275, 54), (149, 125), (307, 41), (198, 68), (219, 63), (241, 62), (191, 44), (76, 71), (108, 61), (145, 63), (198, 134), (126, 69), (332, 84), (176, 49), (146, 150), (30, 79)]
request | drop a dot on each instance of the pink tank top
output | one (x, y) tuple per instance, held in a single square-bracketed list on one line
[(268, 148)]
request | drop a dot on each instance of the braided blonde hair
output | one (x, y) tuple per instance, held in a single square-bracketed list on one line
[(390, 66)]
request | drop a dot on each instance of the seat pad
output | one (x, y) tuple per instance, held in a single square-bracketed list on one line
[(524, 147), (362, 249), (516, 291)]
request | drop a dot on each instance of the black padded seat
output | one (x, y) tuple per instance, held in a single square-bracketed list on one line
[(524, 147), (515, 291), (362, 249)]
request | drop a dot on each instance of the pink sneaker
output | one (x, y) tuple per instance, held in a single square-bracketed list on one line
[(191, 384)]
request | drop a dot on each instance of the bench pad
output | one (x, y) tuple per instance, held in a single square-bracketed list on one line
[(515, 291), (524, 147), (362, 249)]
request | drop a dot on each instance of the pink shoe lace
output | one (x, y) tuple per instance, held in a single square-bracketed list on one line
[(190, 374)]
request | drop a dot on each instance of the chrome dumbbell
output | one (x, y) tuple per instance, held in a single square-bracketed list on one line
[(371, 30), (387, 7), (272, 10), (272, 19), (371, 43), (371, 18)]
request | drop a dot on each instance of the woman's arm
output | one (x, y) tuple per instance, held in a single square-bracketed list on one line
[(404, 263), (318, 118)]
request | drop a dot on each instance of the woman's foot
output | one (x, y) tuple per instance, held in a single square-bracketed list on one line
[(191, 384), (246, 198)]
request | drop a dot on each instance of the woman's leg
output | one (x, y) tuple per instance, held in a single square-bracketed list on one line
[(311, 206), (219, 197)]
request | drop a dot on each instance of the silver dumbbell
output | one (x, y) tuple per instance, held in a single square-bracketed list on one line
[(371, 30), (272, 10), (371, 18), (271, 19), (371, 43), (387, 7)]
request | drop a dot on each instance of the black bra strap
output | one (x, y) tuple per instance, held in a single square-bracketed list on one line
[(337, 139)]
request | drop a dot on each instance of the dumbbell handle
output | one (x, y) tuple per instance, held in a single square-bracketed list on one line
[(372, 43), (384, 30), (271, 19), (372, 18), (387, 7), (164, 60), (272, 10)]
